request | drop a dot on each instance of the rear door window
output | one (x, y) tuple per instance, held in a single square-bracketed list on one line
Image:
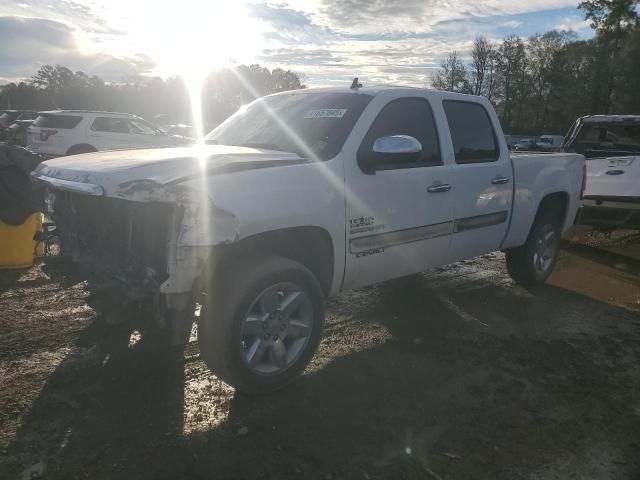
[(142, 128), (110, 125), (472, 134), (48, 120)]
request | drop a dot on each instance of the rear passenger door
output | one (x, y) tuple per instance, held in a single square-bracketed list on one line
[(110, 133), (483, 180)]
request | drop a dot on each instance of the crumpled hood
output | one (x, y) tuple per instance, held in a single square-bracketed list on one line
[(113, 170), (613, 177)]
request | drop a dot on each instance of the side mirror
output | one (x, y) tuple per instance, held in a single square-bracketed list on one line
[(397, 145), (389, 150)]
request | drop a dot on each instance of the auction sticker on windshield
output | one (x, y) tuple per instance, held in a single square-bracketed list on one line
[(326, 113)]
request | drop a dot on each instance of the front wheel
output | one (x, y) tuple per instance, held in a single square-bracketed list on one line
[(532, 263), (261, 322)]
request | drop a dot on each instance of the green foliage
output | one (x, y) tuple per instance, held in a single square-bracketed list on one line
[(223, 92), (452, 75), (542, 84), (611, 15)]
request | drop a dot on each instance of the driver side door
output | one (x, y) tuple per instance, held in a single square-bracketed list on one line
[(399, 207)]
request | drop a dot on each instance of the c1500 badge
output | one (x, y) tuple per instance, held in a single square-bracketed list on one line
[(363, 224)]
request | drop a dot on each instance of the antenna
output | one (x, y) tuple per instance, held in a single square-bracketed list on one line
[(355, 85)]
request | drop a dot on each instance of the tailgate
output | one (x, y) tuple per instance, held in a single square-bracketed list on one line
[(45, 140), (613, 177)]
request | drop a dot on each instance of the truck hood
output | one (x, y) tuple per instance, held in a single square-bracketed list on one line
[(112, 171), (613, 177)]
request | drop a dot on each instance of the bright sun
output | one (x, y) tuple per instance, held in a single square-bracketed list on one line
[(186, 35), (189, 38)]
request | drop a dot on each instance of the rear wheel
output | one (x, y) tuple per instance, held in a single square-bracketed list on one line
[(261, 323), (532, 263)]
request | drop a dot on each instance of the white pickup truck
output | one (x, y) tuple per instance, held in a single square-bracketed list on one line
[(611, 145), (300, 196)]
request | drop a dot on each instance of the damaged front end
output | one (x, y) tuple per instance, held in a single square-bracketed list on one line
[(147, 244)]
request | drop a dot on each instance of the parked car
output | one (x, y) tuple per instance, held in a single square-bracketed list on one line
[(300, 196), (611, 144), (512, 140), (526, 145), (182, 130), (70, 132), (16, 134), (550, 143), (7, 117)]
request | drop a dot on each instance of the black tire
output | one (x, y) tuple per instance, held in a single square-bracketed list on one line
[(228, 298), (521, 261), (78, 149)]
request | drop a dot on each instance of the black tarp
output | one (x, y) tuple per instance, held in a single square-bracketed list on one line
[(19, 195)]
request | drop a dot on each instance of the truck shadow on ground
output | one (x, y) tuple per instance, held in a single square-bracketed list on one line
[(473, 380)]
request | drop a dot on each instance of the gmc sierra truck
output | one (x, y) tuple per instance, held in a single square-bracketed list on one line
[(300, 196)]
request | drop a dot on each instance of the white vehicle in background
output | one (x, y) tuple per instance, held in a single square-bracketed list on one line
[(528, 144), (611, 144), (549, 143), (298, 197), (70, 132)]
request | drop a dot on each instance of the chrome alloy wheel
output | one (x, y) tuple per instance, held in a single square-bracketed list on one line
[(276, 329), (545, 250)]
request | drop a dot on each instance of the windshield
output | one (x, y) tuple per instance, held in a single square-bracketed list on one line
[(310, 124), (619, 138), (7, 116), (545, 140), (143, 128)]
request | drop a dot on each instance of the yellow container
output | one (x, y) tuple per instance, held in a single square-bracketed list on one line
[(17, 246)]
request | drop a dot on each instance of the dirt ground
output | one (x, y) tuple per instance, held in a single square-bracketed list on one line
[(454, 374)]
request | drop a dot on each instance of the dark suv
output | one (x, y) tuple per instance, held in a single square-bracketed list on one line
[(7, 117)]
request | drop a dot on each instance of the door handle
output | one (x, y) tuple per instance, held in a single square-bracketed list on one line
[(500, 180), (439, 187)]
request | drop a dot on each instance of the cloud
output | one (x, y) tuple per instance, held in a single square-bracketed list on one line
[(353, 13), (330, 41), (512, 24), (29, 43), (288, 25), (377, 16), (64, 11)]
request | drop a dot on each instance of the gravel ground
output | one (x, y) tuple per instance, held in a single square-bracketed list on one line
[(454, 374)]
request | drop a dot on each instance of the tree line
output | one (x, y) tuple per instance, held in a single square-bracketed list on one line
[(541, 84), (223, 92)]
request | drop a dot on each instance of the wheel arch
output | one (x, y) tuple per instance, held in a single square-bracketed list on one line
[(309, 245), (81, 146), (557, 202), (526, 213)]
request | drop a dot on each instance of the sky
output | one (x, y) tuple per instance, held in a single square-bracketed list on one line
[(328, 41)]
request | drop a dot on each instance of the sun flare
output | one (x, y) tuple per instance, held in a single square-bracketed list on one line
[(190, 39)]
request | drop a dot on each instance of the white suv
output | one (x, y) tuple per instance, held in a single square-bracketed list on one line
[(70, 132)]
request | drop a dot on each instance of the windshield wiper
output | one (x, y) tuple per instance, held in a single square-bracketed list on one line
[(266, 146)]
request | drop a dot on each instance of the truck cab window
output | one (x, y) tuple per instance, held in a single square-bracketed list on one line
[(474, 140), (406, 116)]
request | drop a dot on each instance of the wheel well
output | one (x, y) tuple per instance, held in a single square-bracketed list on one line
[(556, 202), (84, 146), (310, 246)]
